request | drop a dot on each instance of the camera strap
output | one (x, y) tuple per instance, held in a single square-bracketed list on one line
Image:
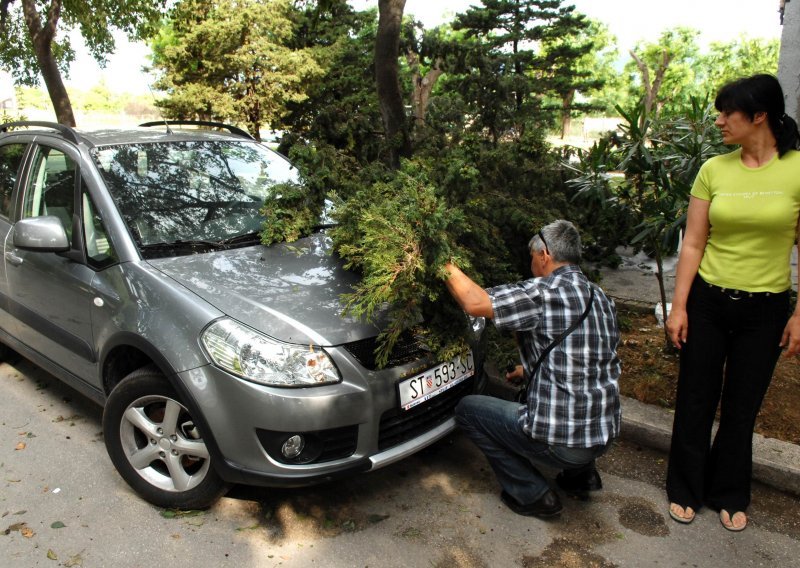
[(522, 395)]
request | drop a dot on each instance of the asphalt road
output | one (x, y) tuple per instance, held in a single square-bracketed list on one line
[(63, 504)]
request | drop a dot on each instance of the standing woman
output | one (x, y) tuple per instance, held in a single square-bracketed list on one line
[(730, 310)]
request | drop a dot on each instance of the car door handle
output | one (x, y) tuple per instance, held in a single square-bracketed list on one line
[(13, 259)]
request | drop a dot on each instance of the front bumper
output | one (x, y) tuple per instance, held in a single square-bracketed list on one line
[(358, 422)]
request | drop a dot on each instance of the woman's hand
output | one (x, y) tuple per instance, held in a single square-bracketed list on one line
[(678, 326), (791, 336)]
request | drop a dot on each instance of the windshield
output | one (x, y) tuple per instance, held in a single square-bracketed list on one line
[(180, 192)]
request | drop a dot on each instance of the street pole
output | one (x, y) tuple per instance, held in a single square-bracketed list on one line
[(789, 59)]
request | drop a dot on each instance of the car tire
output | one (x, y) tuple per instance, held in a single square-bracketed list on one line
[(156, 446)]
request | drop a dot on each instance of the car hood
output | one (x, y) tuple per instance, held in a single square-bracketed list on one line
[(289, 291)]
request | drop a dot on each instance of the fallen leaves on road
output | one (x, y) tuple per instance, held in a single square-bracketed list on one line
[(76, 560), (57, 525), (22, 528), (20, 446)]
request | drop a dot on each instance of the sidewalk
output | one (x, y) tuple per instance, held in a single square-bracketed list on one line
[(775, 463)]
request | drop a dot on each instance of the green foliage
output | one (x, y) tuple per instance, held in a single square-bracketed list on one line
[(341, 108), (32, 98), (604, 219), (95, 20), (291, 213), (230, 61), (503, 71), (6, 117), (482, 179), (658, 161), (726, 61), (692, 73), (97, 99), (680, 79), (399, 233)]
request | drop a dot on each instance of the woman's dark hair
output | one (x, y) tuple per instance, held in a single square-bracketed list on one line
[(761, 93)]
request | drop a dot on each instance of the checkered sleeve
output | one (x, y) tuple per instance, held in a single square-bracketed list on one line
[(517, 307)]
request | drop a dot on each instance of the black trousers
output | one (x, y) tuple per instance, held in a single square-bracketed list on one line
[(731, 350)]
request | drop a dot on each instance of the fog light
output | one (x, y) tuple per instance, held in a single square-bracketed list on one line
[(293, 446)]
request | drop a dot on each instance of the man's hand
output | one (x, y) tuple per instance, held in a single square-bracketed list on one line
[(472, 298), (516, 375)]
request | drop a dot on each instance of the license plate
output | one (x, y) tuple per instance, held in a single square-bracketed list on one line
[(435, 380)]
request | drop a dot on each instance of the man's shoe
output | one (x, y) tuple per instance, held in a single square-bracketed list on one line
[(548, 505), (579, 485)]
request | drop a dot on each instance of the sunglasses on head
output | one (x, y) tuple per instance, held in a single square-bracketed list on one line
[(544, 242)]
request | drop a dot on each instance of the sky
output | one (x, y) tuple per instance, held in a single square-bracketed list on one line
[(630, 20)]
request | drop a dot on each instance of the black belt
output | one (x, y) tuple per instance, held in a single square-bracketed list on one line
[(734, 294)]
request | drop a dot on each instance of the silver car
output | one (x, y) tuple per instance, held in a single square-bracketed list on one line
[(133, 271)]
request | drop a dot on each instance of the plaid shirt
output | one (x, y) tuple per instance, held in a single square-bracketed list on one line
[(574, 399)]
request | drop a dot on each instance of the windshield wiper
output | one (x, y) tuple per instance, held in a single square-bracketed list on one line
[(194, 244), (253, 237), (180, 244)]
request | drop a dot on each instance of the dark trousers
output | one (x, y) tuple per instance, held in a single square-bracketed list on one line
[(515, 457), (731, 350)]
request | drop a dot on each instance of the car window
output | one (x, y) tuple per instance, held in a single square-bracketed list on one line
[(10, 161), (51, 187), (99, 251), (188, 191)]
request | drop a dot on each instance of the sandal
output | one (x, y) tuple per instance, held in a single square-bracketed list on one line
[(681, 514), (727, 520)]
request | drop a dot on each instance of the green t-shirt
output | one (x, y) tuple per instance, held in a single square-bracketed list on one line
[(753, 219)]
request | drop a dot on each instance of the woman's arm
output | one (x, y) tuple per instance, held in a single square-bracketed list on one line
[(692, 249), (791, 333)]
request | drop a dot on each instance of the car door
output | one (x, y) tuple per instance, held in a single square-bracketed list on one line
[(12, 155), (49, 293)]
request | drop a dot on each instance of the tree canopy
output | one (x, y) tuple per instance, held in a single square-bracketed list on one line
[(231, 60), (432, 144), (37, 38)]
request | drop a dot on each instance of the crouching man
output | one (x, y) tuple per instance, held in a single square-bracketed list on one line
[(573, 412)]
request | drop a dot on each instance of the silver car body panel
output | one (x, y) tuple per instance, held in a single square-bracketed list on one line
[(75, 318), (291, 292)]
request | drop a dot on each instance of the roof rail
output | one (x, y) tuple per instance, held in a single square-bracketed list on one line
[(67, 131), (228, 127)]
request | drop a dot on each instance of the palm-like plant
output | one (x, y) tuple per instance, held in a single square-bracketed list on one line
[(659, 161)]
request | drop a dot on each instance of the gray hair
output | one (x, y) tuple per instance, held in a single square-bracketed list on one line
[(561, 239)]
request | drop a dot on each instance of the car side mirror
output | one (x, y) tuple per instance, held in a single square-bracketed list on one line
[(41, 234)]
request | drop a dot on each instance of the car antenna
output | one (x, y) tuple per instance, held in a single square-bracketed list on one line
[(166, 123)]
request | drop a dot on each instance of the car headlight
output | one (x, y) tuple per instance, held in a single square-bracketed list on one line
[(258, 358)]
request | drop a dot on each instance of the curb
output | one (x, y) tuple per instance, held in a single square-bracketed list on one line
[(775, 463)]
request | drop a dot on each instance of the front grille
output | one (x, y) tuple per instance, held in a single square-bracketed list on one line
[(398, 425), (409, 347)]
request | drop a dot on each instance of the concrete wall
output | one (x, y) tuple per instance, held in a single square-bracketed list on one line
[(789, 60)]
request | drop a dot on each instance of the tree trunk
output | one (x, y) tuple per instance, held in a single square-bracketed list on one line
[(42, 39), (662, 290), (423, 85), (651, 89), (387, 51), (566, 116)]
